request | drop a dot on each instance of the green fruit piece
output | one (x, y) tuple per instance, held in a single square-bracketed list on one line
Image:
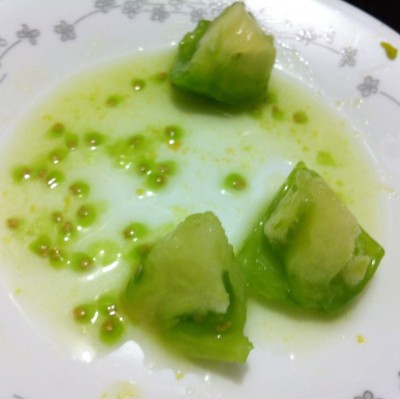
[(190, 290), (229, 59), (308, 248)]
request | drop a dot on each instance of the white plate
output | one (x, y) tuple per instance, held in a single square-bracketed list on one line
[(333, 50)]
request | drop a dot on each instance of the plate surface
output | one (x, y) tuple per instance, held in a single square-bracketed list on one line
[(329, 48)]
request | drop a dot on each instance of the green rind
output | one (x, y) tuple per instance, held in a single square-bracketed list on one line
[(210, 340)]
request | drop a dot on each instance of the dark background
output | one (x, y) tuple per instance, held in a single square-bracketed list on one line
[(386, 11)]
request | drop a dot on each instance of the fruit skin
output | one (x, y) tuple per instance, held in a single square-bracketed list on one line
[(191, 292), (229, 59), (292, 254)]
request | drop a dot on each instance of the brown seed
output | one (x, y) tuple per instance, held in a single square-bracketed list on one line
[(56, 254), (223, 326), (57, 217), (58, 127), (85, 264), (68, 227), (79, 312), (43, 250), (13, 223), (108, 326)]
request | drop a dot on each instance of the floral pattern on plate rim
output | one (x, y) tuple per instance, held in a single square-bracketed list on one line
[(195, 10), (365, 395)]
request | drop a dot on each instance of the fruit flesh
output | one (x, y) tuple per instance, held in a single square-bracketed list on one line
[(320, 231)]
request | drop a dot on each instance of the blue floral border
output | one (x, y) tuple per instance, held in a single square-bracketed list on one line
[(365, 395), (347, 57), (195, 10), (157, 11)]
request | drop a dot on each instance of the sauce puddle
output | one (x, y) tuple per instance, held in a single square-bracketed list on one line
[(115, 158)]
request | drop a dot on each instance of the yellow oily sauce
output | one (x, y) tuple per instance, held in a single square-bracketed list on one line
[(116, 157)]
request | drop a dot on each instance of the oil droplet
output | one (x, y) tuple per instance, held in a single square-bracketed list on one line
[(21, 173), (86, 215), (81, 262), (94, 140), (107, 305), (277, 113), (179, 375), (135, 231), (57, 257), (41, 246), (72, 141), (85, 313), (160, 77), (138, 84), (57, 130), (325, 158), (54, 179), (391, 51), (235, 182), (13, 223), (144, 167), (112, 329), (114, 100), (79, 189), (166, 168), (57, 155), (135, 141), (360, 339), (155, 181), (105, 252), (300, 117), (173, 136)]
